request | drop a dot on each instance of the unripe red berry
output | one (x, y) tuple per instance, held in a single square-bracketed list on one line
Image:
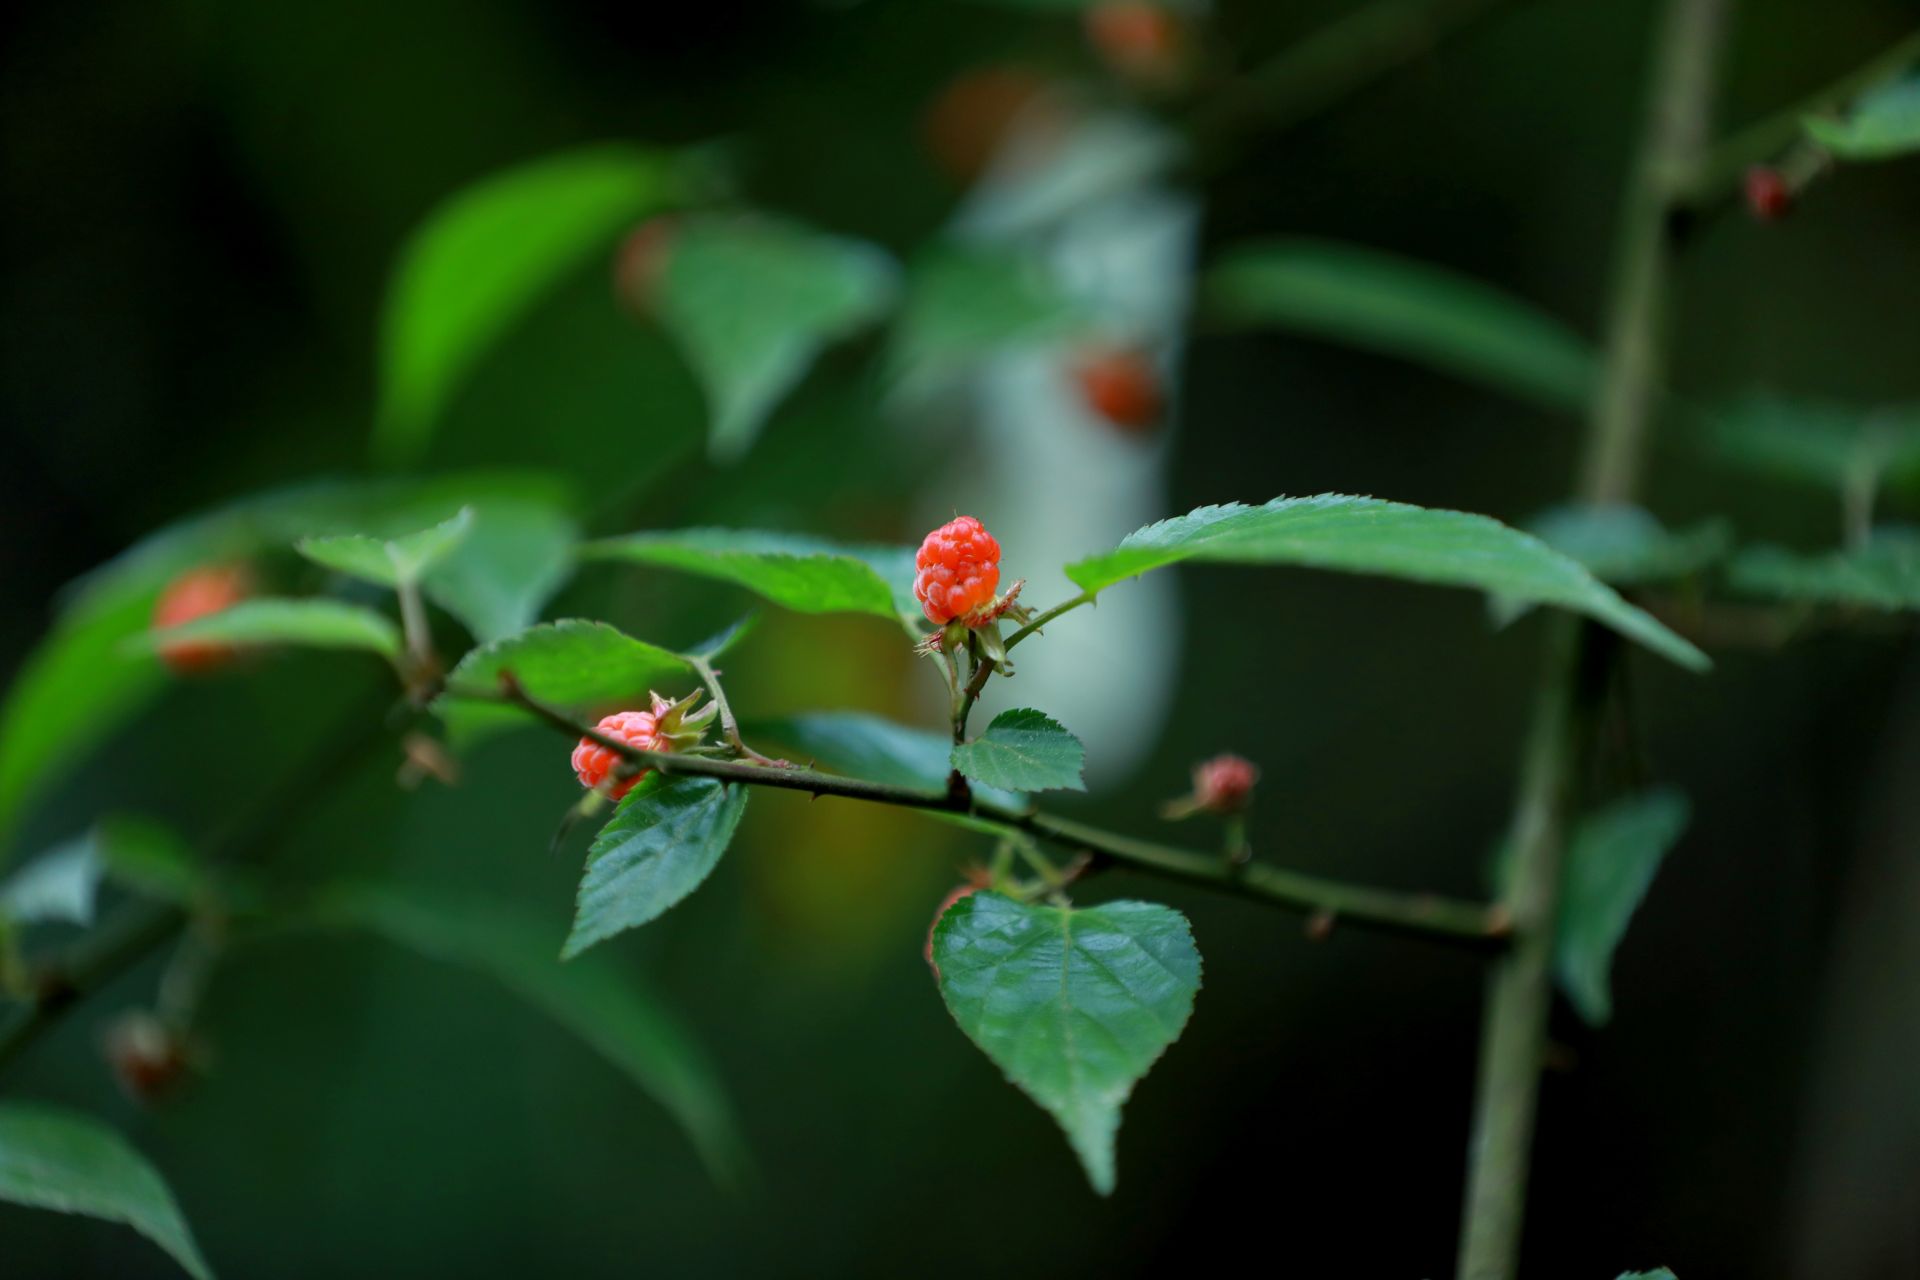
[(640, 264), (1121, 385), (593, 762), (1769, 197), (956, 571), (1136, 39), (1224, 784), (199, 593), (959, 891)]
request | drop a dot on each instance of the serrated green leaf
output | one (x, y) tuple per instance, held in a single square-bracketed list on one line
[(1413, 310), (875, 750), (71, 1163), (480, 261), (1074, 1004), (1366, 535), (661, 844), (605, 1005), (1024, 750), (1882, 574), (588, 668), (807, 575), (1883, 123), (752, 300), (59, 886), (310, 623), (388, 562), (965, 302), (510, 564), (1611, 860), (1829, 446)]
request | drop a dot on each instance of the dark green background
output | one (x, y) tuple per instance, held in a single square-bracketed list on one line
[(203, 202)]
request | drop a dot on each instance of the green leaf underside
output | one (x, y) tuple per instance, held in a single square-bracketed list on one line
[(1811, 442), (71, 1163), (389, 562), (1884, 123), (1627, 546), (1075, 1005), (1024, 750), (964, 303), (872, 749), (1883, 574), (506, 569), (483, 258), (1404, 308), (1367, 535), (660, 845), (59, 886), (752, 300), (1611, 861), (311, 623), (601, 1003), (806, 575), (588, 668)]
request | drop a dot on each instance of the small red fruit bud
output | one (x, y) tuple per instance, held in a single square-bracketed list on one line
[(149, 1058), (1224, 784), (1769, 197), (1140, 41), (199, 593), (1121, 386), (640, 264)]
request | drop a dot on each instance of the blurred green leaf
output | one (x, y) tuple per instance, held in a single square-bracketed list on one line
[(1366, 535), (752, 300), (1883, 123), (71, 1163), (601, 1003), (1404, 308), (480, 261), (807, 575), (662, 842), (1627, 546), (588, 668), (389, 562), (1074, 1004), (873, 749), (718, 645), (1024, 750), (151, 859), (515, 557), (965, 302), (59, 886), (83, 679), (1882, 574), (311, 623), (1611, 859), (1658, 1273), (1829, 446)]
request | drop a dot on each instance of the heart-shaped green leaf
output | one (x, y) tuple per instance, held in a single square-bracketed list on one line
[(1404, 308), (807, 575), (1367, 535), (70, 1163), (1074, 1004), (659, 846), (1611, 860), (310, 623), (752, 300), (588, 668), (1024, 750)]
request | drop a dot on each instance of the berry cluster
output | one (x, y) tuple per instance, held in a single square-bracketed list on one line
[(957, 571), (593, 762)]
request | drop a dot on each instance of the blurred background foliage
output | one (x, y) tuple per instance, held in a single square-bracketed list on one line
[(206, 201)]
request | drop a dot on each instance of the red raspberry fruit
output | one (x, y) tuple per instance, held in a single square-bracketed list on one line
[(1769, 198), (199, 593), (593, 762), (1121, 385), (957, 570), (959, 891), (1138, 40), (1224, 784)]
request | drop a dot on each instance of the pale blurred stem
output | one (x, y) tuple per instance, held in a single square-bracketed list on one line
[(413, 625), (729, 726), (1580, 655), (1424, 915), (1726, 164)]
